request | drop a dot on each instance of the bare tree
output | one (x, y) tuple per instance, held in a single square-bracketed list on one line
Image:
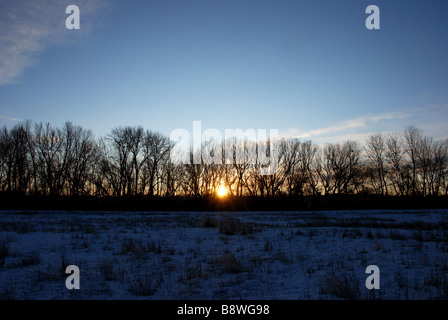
[(273, 182), (15, 167), (49, 144), (192, 177), (308, 164), (339, 167), (172, 177), (412, 137), (424, 155), (398, 169), (4, 151), (324, 169), (376, 154), (439, 171), (240, 155), (119, 162), (156, 155), (81, 155), (294, 176), (300, 167), (433, 159)]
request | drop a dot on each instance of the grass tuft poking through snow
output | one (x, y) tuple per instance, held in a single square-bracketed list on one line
[(233, 255)]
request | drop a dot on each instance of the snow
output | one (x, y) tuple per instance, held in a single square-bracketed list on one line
[(224, 255)]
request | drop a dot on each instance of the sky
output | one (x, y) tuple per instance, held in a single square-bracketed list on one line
[(310, 69)]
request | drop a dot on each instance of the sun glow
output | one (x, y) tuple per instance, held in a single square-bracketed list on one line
[(222, 190)]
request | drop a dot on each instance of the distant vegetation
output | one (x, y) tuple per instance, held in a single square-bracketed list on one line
[(39, 160)]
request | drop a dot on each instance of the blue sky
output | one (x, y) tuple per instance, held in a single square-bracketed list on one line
[(310, 69)]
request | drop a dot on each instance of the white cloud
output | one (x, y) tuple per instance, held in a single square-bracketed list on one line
[(431, 119), (9, 119), (27, 28), (353, 129)]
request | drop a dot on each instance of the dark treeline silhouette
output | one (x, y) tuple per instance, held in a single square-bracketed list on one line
[(39, 161)]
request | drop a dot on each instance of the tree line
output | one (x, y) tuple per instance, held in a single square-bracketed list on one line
[(39, 159)]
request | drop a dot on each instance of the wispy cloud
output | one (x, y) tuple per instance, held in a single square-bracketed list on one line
[(346, 126), (27, 28), (9, 119), (432, 120)]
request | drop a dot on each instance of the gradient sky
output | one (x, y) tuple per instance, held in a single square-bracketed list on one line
[(310, 69)]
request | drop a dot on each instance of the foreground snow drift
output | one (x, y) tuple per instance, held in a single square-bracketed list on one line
[(234, 255)]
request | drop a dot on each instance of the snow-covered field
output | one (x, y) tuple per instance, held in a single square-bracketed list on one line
[(233, 255)]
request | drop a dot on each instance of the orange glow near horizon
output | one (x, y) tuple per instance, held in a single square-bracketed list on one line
[(222, 190)]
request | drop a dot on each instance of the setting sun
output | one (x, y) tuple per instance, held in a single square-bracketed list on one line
[(222, 191)]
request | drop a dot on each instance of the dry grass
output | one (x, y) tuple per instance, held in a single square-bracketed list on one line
[(226, 262), (341, 284)]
